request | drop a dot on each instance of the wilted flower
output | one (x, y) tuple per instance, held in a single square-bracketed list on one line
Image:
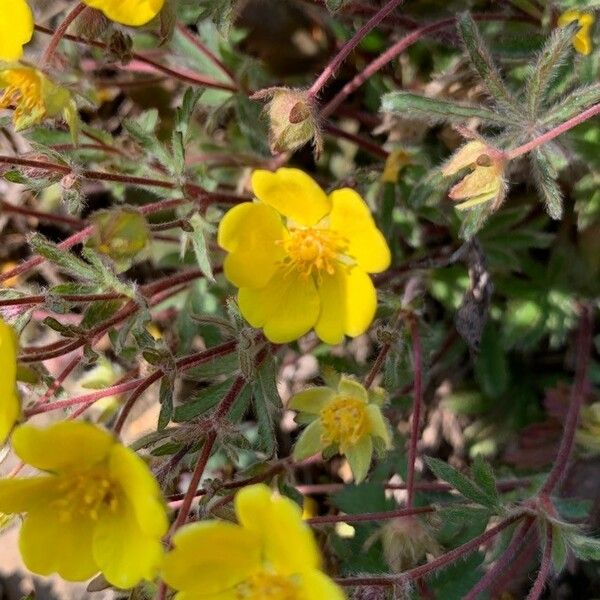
[(270, 554), (120, 234), (485, 182), (10, 407), (300, 258), (582, 40), (128, 12), (16, 28), (35, 97), (97, 508), (292, 119), (588, 433), (347, 419)]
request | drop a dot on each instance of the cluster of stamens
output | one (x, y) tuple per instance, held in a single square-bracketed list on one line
[(312, 251), (24, 92), (85, 494), (268, 586), (344, 421)]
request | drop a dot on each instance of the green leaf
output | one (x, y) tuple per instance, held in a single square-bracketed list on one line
[(585, 548), (165, 397), (560, 549), (464, 485), (63, 258), (435, 110), (484, 477), (491, 367), (544, 176), (204, 400), (573, 104), (483, 63), (545, 69), (267, 403), (198, 237)]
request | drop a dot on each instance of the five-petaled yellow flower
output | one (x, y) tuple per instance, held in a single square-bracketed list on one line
[(10, 407), (301, 258), (128, 12), (97, 508), (16, 28), (347, 419), (271, 555), (582, 40), (35, 97)]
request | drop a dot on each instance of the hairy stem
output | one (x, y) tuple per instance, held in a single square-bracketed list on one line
[(540, 581), (58, 35)]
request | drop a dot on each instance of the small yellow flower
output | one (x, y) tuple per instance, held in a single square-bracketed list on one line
[(394, 163), (582, 40), (348, 419), (35, 97), (300, 258), (128, 12), (97, 508), (10, 407), (16, 28), (271, 555), (588, 433), (485, 182)]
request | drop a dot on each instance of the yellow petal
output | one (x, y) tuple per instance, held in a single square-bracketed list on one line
[(567, 17), (128, 12), (250, 232), (348, 304), (317, 586), (16, 28), (24, 495), (122, 551), (293, 193), (64, 446), (351, 218), (482, 181), (211, 557), (141, 490), (287, 307), (378, 425), (359, 457), (464, 157), (49, 545), (310, 441), (582, 42), (10, 407), (288, 543), (312, 400)]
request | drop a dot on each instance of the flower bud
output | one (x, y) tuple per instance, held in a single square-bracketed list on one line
[(292, 120), (406, 541)]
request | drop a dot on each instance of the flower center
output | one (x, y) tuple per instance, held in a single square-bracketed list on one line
[(85, 494), (24, 90), (344, 421), (268, 586), (312, 251)]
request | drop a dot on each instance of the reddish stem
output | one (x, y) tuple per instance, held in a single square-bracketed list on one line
[(438, 563), (545, 566), (374, 516), (417, 407), (555, 132), (60, 32), (578, 392), (347, 48)]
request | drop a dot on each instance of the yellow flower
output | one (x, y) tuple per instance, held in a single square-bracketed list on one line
[(485, 182), (128, 12), (300, 258), (10, 407), (347, 419), (271, 555), (394, 163), (97, 508), (582, 40), (35, 97), (16, 28)]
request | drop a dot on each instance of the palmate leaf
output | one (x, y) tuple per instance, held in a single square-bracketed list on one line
[(545, 176), (572, 104), (435, 110)]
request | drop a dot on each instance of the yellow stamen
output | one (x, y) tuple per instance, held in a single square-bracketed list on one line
[(268, 586), (344, 421)]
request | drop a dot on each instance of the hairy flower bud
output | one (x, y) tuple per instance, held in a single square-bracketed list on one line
[(292, 119)]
